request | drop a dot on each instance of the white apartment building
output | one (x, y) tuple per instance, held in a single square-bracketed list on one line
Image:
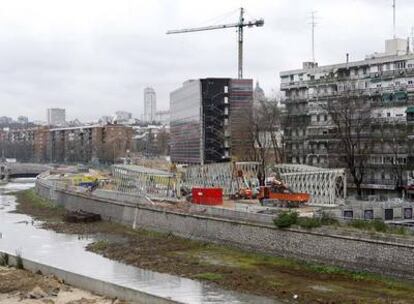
[(386, 81)]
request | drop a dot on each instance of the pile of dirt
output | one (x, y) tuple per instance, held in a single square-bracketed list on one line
[(24, 287)]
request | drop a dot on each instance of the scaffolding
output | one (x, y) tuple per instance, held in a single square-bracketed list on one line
[(145, 182), (327, 187), (223, 175)]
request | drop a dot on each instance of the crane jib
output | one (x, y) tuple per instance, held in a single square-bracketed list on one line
[(239, 25)]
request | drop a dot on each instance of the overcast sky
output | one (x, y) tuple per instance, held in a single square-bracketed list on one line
[(94, 57)]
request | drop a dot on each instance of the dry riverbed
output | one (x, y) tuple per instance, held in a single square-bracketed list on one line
[(23, 287), (226, 267)]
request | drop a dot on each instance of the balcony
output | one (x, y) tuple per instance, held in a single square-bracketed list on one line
[(389, 120)]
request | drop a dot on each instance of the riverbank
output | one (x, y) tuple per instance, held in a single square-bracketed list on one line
[(18, 286), (226, 267)]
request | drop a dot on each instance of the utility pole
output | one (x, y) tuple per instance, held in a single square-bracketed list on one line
[(313, 24), (393, 20)]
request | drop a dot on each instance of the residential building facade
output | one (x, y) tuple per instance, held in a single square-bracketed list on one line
[(94, 143), (384, 82), (91, 143)]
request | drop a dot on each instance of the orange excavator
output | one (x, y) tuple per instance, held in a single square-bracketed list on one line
[(278, 194)]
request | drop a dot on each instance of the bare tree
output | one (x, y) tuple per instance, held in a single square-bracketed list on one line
[(398, 167), (267, 137), (350, 115)]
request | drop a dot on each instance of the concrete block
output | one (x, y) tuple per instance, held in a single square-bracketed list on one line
[(378, 213), (397, 213)]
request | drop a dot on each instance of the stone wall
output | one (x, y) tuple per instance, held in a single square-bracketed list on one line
[(391, 256)]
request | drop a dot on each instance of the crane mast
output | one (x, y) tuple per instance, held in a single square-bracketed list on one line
[(239, 25)]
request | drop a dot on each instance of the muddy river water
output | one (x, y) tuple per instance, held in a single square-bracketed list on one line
[(19, 233)]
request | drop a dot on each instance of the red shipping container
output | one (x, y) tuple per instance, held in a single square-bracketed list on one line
[(207, 196)]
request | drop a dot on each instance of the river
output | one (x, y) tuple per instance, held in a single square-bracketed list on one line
[(20, 233)]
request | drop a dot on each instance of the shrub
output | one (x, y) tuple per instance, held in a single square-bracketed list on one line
[(286, 219), (4, 259), (19, 261)]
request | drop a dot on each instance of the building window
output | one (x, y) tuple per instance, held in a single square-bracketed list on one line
[(400, 65)]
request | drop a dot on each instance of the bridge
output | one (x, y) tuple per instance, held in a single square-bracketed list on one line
[(16, 170)]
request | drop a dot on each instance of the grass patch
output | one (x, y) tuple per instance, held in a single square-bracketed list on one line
[(35, 200), (378, 226), (100, 245), (4, 259), (309, 222), (31, 203), (209, 276)]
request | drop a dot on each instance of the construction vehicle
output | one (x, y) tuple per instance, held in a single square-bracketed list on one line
[(278, 194), (243, 186)]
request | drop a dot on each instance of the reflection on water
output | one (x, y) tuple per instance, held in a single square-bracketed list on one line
[(20, 233)]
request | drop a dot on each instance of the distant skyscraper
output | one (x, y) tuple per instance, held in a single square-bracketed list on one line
[(258, 94), (150, 104), (56, 116)]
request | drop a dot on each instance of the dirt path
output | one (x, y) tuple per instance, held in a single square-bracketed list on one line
[(227, 267), (23, 287)]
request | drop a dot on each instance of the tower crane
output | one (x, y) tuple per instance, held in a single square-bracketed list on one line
[(239, 25)]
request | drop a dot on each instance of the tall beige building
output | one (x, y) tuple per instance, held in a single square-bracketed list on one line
[(150, 104)]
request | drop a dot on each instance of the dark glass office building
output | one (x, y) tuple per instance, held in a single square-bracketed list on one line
[(210, 120)]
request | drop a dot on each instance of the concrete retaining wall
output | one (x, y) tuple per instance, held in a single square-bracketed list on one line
[(94, 285), (233, 214), (389, 256)]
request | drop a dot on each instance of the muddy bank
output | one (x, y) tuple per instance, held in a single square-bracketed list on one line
[(223, 266), (24, 287)]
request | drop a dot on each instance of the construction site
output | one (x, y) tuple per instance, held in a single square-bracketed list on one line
[(232, 190)]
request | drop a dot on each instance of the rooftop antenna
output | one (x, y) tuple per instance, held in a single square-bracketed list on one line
[(412, 38), (313, 24), (393, 19)]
